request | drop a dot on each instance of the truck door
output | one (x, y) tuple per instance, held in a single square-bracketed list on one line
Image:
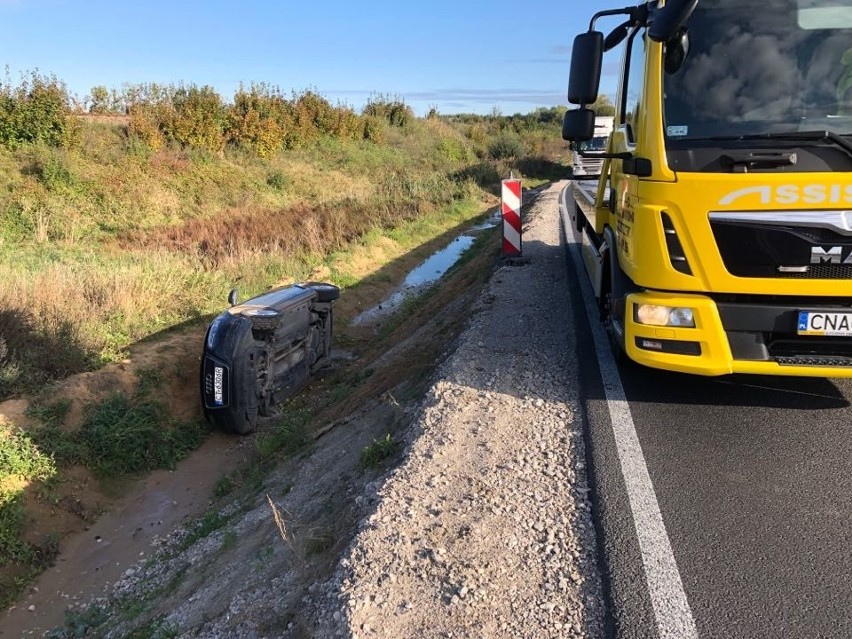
[(630, 114)]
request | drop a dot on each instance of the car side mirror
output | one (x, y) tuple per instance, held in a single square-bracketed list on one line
[(233, 297)]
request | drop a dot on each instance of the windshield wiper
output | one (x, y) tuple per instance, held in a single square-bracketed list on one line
[(810, 136)]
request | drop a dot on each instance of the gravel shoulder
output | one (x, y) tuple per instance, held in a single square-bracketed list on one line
[(485, 528)]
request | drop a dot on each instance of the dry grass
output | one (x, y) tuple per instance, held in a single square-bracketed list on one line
[(286, 535)]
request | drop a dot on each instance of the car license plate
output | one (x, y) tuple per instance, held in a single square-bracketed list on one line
[(218, 395), (826, 324)]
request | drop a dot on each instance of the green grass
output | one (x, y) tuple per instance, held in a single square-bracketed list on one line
[(121, 436), (223, 486), (373, 455), (23, 466), (52, 413), (288, 437)]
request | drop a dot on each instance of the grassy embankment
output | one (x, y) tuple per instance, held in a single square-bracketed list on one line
[(116, 230)]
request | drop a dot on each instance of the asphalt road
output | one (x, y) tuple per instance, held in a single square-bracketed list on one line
[(752, 481)]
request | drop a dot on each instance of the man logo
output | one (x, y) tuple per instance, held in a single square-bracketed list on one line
[(834, 255)]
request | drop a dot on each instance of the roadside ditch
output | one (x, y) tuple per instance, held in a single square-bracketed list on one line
[(136, 550)]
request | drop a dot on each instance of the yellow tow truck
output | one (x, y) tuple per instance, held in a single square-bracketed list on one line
[(718, 237)]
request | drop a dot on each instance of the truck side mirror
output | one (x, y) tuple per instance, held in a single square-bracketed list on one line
[(578, 125), (665, 22), (677, 48), (586, 61), (616, 36)]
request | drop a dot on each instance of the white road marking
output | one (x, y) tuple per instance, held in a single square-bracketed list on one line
[(671, 608)]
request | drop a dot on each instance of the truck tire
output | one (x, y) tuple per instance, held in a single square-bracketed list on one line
[(325, 292), (612, 301), (608, 318)]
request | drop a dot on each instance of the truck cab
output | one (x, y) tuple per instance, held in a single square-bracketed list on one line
[(583, 164), (718, 236)]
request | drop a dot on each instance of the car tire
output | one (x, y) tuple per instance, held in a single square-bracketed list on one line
[(263, 323), (325, 292)]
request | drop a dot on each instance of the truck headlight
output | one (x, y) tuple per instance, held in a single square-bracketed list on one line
[(656, 315)]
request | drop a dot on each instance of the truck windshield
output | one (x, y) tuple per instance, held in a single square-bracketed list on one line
[(750, 67), (595, 144)]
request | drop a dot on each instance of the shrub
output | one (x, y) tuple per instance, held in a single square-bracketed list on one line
[(37, 111), (277, 180), (395, 111), (505, 145), (145, 126), (375, 129), (51, 169), (197, 119), (258, 120), (312, 115), (347, 123)]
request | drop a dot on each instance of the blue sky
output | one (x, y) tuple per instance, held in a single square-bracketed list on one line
[(456, 55)]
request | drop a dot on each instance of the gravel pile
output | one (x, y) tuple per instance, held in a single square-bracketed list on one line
[(485, 529)]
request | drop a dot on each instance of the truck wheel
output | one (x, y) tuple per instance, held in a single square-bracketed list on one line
[(609, 314), (618, 353), (325, 292)]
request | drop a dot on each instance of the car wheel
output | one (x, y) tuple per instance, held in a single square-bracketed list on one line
[(267, 320), (325, 292)]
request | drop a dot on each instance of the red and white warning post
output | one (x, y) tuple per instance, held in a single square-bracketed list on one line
[(511, 206)]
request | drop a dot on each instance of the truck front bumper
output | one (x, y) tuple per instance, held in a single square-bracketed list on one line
[(735, 337)]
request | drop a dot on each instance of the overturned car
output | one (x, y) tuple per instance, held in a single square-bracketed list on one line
[(260, 352)]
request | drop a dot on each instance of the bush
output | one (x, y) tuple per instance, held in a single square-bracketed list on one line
[(277, 180), (145, 126), (51, 169), (505, 145), (197, 119), (258, 120), (395, 112), (37, 111), (312, 115), (375, 129)]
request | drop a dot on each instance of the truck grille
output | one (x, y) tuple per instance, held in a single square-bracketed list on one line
[(821, 272), (592, 167), (772, 250)]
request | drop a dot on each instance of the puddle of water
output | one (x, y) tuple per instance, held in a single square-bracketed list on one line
[(493, 220), (426, 274), (438, 263)]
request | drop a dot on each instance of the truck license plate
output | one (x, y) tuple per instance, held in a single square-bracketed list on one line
[(826, 324)]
